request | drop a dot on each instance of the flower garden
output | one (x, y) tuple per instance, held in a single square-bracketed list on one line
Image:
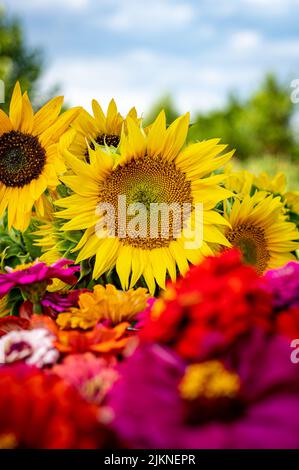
[(130, 341)]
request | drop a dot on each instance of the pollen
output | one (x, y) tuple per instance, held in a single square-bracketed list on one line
[(148, 181)]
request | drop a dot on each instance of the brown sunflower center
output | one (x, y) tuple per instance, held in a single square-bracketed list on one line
[(22, 158), (108, 139), (252, 243), (148, 181)]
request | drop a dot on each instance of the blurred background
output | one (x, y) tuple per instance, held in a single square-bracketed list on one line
[(231, 63)]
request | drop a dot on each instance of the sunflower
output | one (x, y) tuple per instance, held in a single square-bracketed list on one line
[(292, 201), (245, 183), (259, 228), (105, 130), (54, 245), (151, 168), (29, 159), (275, 185)]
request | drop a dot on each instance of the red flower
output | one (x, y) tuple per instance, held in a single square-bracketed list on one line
[(287, 322), (207, 309), (41, 411)]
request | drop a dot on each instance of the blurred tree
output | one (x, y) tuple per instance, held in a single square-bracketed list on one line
[(260, 125), (17, 60), (167, 103), (270, 111)]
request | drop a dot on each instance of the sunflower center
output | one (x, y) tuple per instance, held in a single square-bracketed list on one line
[(148, 181), (22, 159), (108, 139), (252, 243)]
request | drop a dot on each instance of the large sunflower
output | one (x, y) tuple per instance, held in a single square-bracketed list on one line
[(29, 159), (103, 129), (151, 168), (259, 228)]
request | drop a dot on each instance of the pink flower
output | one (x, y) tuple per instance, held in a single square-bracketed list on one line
[(91, 376), (38, 273), (57, 302)]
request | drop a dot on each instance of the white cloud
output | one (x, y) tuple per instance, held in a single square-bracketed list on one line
[(245, 40), (42, 5), (142, 15), (270, 7), (139, 77)]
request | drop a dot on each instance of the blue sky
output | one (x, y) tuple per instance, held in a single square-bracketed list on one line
[(138, 50)]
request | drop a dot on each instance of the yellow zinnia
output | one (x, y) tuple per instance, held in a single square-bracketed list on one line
[(259, 228), (104, 303), (152, 168), (29, 159), (103, 129)]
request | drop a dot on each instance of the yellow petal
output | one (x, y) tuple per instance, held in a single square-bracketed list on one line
[(15, 109), (106, 256), (5, 124), (99, 116), (47, 115), (26, 125), (175, 137), (123, 265), (156, 135)]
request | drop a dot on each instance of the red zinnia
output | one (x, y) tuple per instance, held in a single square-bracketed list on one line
[(206, 310), (41, 411)]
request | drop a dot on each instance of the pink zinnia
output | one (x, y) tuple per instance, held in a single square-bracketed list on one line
[(38, 273)]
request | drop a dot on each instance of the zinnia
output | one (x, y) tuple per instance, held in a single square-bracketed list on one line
[(246, 398), (58, 416), (208, 309)]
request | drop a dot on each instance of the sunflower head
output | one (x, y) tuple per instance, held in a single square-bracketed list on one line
[(100, 129), (151, 170), (260, 230), (29, 159)]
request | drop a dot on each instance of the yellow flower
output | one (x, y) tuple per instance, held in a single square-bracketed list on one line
[(244, 182), (240, 182), (104, 303), (100, 129), (209, 380), (54, 245), (29, 159), (151, 168), (274, 185), (48, 238), (292, 200), (259, 228)]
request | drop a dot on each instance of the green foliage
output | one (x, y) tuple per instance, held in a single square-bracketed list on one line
[(167, 103), (260, 125), (17, 60), (16, 247)]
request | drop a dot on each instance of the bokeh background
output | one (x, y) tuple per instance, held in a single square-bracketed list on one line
[(231, 63)]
